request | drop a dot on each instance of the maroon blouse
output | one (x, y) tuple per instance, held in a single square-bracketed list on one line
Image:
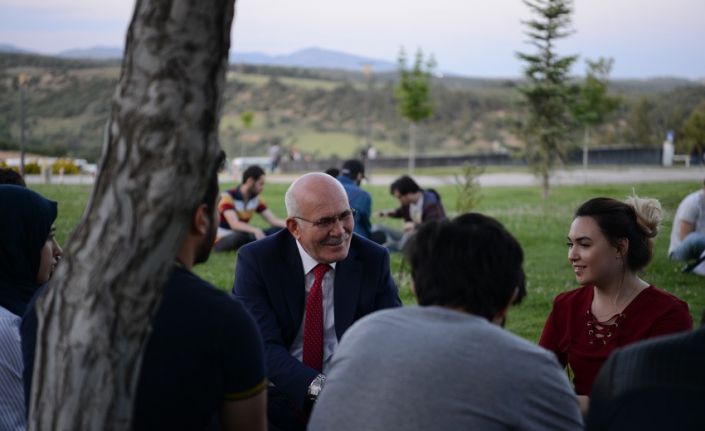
[(582, 343)]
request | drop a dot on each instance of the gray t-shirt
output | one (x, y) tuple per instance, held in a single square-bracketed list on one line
[(432, 368), (691, 210)]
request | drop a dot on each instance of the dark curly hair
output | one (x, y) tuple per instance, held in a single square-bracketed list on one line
[(471, 262)]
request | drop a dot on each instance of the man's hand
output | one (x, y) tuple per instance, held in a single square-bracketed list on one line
[(584, 402), (248, 414), (409, 226), (259, 233)]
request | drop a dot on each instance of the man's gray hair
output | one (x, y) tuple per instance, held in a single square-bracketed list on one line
[(292, 207)]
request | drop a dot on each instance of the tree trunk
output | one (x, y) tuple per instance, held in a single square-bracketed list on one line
[(545, 184), (161, 145), (412, 147), (586, 143), (23, 121)]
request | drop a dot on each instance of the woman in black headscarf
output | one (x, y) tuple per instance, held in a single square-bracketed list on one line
[(28, 255), (28, 252)]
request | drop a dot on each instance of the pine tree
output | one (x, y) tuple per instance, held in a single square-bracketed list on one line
[(547, 92)]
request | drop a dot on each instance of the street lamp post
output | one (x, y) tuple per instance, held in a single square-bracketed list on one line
[(23, 125)]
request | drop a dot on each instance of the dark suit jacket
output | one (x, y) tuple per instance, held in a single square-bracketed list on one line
[(658, 384), (269, 281)]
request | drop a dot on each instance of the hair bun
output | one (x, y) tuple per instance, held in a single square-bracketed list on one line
[(648, 213)]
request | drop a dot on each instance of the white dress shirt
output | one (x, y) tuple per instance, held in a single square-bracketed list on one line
[(416, 211), (330, 339)]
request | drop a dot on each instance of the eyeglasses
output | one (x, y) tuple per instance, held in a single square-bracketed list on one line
[(328, 222)]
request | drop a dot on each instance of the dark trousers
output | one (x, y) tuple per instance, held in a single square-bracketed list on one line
[(282, 414), (239, 238)]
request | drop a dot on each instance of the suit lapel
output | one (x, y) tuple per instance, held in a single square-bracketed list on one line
[(348, 277), (293, 280)]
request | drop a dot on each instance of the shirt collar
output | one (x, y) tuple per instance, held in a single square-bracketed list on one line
[(309, 262), (418, 203)]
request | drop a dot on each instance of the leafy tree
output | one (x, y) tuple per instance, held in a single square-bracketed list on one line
[(694, 131), (593, 103), (639, 129), (548, 93), (413, 95), (247, 117)]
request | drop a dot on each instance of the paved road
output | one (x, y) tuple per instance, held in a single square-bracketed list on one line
[(630, 175), (562, 177)]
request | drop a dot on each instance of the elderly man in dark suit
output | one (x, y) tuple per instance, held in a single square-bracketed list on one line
[(305, 286)]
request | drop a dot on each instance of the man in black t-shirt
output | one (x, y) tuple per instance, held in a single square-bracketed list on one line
[(203, 365)]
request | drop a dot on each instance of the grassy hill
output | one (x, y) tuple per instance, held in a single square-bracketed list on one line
[(319, 112)]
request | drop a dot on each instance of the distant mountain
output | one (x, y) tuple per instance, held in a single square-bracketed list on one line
[(4, 47), (94, 52), (316, 58), (313, 58)]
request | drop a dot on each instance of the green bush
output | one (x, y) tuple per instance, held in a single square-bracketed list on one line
[(32, 168), (68, 166)]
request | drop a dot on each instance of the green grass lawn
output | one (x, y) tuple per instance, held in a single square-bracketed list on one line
[(540, 226)]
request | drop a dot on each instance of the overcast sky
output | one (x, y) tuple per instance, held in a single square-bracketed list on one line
[(472, 37)]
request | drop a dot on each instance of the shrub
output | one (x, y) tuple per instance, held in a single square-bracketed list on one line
[(468, 187), (68, 166), (32, 168)]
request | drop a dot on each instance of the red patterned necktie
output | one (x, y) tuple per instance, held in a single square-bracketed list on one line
[(313, 325)]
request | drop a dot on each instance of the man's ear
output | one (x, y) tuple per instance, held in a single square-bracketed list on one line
[(293, 227), (200, 220), (501, 314)]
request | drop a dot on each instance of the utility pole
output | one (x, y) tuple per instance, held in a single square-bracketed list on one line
[(367, 71), (23, 125)]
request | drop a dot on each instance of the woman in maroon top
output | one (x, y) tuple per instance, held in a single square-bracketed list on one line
[(608, 244)]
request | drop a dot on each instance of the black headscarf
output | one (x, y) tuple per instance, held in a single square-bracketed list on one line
[(25, 223)]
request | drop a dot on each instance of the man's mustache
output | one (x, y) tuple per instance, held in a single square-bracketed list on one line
[(336, 240)]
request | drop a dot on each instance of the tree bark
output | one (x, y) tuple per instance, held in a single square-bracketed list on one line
[(161, 146), (586, 144), (412, 147)]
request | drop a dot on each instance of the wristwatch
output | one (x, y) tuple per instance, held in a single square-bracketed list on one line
[(314, 389)]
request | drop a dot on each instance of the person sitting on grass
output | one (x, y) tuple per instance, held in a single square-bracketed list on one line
[(236, 208), (609, 243), (448, 364), (11, 176), (688, 234), (351, 177), (28, 257), (203, 363), (418, 206)]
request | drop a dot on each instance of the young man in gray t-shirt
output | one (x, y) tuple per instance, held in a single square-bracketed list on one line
[(448, 364)]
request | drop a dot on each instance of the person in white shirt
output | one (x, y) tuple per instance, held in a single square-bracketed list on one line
[(688, 234)]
